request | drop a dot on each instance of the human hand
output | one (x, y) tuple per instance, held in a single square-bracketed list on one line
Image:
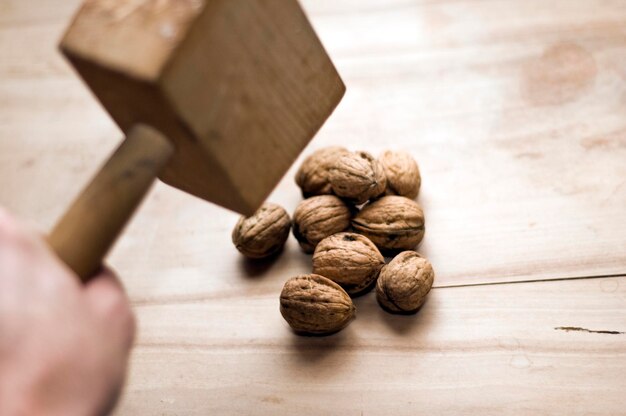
[(64, 347)]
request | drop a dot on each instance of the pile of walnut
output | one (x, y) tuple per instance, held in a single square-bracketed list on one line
[(356, 208)]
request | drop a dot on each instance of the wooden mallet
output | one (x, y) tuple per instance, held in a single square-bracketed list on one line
[(216, 97)]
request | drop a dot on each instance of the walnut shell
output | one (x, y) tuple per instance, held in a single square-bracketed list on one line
[(404, 282), (402, 172), (349, 259), (312, 177), (392, 223), (318, 217), (357, 177), (264, 233), (313, 304)]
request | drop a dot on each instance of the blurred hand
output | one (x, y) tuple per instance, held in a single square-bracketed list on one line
[(64, 347)]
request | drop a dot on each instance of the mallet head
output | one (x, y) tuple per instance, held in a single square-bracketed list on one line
[(239, 86)]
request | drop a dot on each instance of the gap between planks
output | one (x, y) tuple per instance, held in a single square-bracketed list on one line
[(556, 279), (204, 298)]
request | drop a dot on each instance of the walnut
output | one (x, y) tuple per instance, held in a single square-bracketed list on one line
[(264, 233), (318, 217), (357, 177), (312, 177), (313, 304), (349, 259), (402, 172), (403, 284), (392, 223)]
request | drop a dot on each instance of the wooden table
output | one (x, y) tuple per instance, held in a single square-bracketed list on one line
[(516, 112)]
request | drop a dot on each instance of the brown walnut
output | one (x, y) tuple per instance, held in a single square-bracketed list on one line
[(392, 223), (318, 217), (402, 172), (264, 233), (313, 304), (312, 177), (357, 177), (349, 259), (404, 282)]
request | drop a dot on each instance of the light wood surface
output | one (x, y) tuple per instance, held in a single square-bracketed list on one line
[(491, 350), (515, 112), (516, 187)]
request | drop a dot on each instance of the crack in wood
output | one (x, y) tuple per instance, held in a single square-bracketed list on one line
[(591, 331)]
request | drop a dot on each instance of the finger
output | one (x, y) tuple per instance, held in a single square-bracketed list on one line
[(109, 302)]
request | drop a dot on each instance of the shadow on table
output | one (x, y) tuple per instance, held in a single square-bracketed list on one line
[(408, 322), (370, 312), (252, 268), (290, 258), (316, 349)]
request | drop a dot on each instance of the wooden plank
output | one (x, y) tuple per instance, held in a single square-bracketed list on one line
[(514, 111), (515, 187), (479, 350)]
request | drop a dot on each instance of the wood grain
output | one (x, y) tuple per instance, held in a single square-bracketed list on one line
[(516, 186), (515, 111), (480, 350)]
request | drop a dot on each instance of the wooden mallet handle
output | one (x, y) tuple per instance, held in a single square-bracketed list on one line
[(86, 232)]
